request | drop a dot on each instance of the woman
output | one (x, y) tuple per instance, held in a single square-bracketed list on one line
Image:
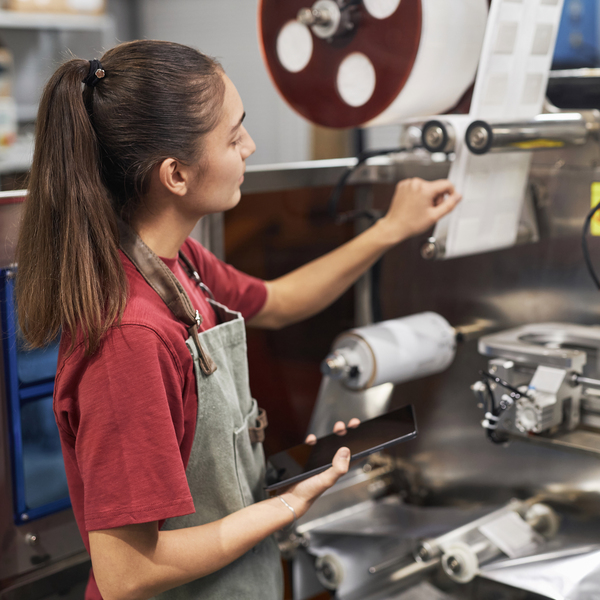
[(160, 435)]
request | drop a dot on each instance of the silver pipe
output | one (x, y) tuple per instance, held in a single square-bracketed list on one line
[(587, 381), (545, 132)]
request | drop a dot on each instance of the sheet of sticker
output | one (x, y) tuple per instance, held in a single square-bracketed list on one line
[(510, 86)]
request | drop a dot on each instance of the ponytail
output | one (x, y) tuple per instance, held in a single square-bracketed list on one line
[(70, 275), (95, 151)]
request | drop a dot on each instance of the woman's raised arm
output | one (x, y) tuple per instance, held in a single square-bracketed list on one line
[(416, 206)]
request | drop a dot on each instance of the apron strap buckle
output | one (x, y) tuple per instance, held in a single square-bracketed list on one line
[(207, 364), (257, 434)]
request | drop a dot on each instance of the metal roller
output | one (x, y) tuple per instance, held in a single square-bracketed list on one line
[(545, 132)]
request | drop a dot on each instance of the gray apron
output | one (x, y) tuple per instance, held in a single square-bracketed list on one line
[(226, 468)]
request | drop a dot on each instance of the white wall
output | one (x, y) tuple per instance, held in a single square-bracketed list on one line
[(227, 29)]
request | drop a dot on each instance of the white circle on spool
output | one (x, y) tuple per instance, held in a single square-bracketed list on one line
[(356, 79), (381, 9), (294, 46)]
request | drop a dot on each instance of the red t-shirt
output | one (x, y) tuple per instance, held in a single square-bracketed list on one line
[(127, 414)]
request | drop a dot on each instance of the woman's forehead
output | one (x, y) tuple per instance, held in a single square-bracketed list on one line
[(233, 107)]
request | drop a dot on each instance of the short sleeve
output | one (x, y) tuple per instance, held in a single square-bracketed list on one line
[(129, 431), (236, 290)]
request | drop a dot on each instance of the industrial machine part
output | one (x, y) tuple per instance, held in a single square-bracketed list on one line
[(374, 547), (542, 133), (344, 63), (392, 351), (536, 385), (517, 529), (438, 136)]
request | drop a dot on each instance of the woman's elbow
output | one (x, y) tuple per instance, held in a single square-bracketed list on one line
[(121, 588)]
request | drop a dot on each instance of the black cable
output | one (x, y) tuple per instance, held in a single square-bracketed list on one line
[(376, 305), (584, 245), (494, 410), (362, 157), (515, 393), (492, 402)]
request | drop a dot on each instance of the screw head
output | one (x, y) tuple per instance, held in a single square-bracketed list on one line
[(454, 565), (305, 16), (429, 249), (479, 137), (434, 136), (423, 553)]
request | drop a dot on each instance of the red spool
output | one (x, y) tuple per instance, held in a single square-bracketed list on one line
[(390, 44)]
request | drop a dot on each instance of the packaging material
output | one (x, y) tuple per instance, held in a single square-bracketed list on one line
[(510, 86), (566, 574), (85, 7)]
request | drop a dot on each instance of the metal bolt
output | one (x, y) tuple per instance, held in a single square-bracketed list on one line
[(24, 517), (305, 16), (313, 16), (454, 565), (423, 553), (327, 572), (434, 136), (334, 365), (429, 249), (479, 137), (32, 539)]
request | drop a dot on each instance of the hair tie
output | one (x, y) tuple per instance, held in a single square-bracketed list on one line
[(95, 74)]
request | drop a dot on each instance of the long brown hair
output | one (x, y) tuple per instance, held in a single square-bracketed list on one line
[(95, 150)]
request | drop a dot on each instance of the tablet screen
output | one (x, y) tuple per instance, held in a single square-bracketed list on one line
[(370, 436)]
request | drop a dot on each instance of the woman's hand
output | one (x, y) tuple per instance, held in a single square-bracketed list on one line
[(302, 495), (416, 206)]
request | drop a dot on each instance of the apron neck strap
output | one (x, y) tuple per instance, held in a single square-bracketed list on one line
[(166, 285)]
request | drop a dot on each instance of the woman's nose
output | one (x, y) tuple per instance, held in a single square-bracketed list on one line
[(249, 146)]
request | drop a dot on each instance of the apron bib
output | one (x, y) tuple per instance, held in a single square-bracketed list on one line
[(226, 468)]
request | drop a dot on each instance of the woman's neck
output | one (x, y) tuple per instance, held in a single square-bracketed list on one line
[(164, 234)]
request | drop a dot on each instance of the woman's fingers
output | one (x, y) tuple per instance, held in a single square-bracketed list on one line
[(339, 428), (339, 467), (446, 205), (440, 187)]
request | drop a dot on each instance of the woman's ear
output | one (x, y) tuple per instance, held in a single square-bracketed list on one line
[(174, 176)]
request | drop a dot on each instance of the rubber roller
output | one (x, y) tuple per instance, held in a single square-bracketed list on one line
[(345, 63)]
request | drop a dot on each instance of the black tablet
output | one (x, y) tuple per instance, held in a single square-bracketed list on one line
[(300, 462)]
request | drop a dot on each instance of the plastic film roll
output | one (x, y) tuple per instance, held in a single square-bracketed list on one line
[(346, 63), (392, 351)]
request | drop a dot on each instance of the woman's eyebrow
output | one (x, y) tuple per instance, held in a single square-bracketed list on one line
[(238, 125)]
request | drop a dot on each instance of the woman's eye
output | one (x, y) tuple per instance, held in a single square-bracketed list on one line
[(236, 142)]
